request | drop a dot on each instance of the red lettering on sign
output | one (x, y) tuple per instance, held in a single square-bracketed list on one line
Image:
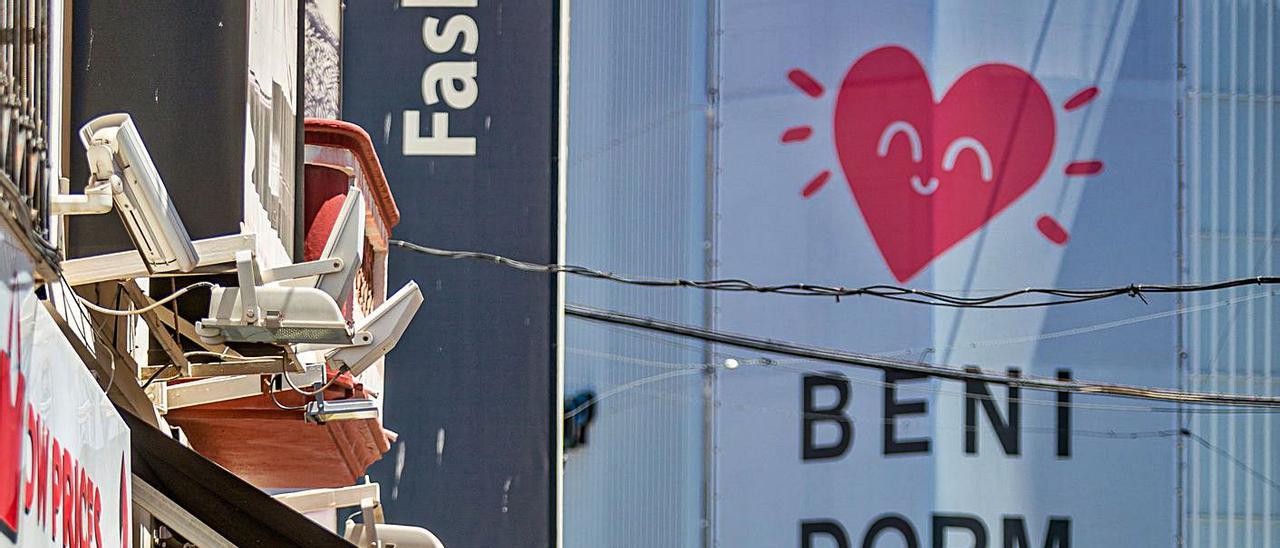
[(33, 434), (68, 488), (97, 517), (41, 466), (12, 400), (55, 488)]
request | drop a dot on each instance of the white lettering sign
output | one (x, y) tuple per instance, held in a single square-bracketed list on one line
[(454, 82)]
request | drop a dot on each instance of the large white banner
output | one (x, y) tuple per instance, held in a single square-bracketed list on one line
[(64, 450), (963, 147)]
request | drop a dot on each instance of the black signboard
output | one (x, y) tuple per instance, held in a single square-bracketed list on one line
[(202, 80), (461, 98)]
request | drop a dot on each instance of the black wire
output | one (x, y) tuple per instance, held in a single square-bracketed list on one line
[(1235, 460), (890, 292), (94, 328), (989, 397), (156, 375), (933, 370)]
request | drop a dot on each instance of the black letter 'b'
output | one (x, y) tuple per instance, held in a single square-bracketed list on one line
[(811, 416)]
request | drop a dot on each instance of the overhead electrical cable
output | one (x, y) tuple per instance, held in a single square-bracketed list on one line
[(1024, 400), (809, 367), (1102, 434), (627, 387), (891, 292), (924, 368), (93, 328), (134, 312), (271, 392), (156, 375), (284, 373)]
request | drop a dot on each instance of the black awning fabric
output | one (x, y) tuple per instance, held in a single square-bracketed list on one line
[(238, 511)]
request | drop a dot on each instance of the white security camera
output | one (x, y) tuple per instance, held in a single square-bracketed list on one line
[(320, 411), (121, 171)]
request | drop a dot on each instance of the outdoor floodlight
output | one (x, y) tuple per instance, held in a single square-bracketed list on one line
[(275, 313), (346, 244), (384, 325), (401, 536), (298, 304), (121, 171)]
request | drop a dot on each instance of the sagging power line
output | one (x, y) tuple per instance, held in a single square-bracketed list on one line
[(924, 368), (882, 291)]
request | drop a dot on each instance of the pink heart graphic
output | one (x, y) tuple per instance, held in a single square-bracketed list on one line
[(926, 175)]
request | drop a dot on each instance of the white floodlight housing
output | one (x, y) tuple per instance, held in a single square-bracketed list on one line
[(273, 314), (276, 313), (345, 243), (384, 325), (119, 162), (298, 304), (374, 532), (401, 536)]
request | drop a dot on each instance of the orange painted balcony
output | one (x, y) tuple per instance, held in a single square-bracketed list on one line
[(258, 438)]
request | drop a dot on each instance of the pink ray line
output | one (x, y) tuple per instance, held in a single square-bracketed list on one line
[(806, 83), (797, 134), (1081, 98), (1052, 230), (816, 184), (1087, 167)]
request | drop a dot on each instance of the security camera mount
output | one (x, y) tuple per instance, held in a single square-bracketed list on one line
[(123, 177), (97, 197)]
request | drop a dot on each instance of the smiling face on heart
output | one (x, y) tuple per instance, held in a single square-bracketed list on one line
[(927, 174)]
